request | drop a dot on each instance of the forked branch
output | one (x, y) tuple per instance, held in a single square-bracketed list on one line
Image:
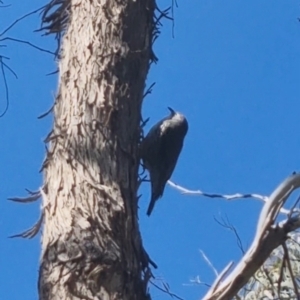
[(269, 235)]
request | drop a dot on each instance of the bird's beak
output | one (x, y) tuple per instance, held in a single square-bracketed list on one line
[(172, 110)]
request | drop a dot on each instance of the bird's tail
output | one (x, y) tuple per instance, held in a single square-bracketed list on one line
[(156, 194), (157, 190), (151, 206)]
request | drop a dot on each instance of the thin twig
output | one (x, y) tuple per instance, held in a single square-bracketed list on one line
[(5, 87), (166, 290), (27, 43), (18, 20), (209, 263), (229, 226)]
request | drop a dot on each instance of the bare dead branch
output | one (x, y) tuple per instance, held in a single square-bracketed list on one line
[(32, 192), (236, 196), (268, 237), (227, 197), (2, 65), (28, 199), (7, 67), (166, 290), (20, 19), (221, 276), (33, 231), (144, 122), (1, 57), (34, 196), (209, 263), (293, 209), (226, 223), (27, 43), (52, 73), (197, 280), (174, 3), (57, 15), (46, 113), (149, 90), (5, 6)]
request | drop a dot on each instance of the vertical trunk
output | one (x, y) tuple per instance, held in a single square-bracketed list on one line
[(91, 245)]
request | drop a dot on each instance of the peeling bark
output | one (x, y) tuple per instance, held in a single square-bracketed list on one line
[(91, 244)]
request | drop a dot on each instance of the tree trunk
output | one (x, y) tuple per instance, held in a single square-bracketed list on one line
[(91, 245)]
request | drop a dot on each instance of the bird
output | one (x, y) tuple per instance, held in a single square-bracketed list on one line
[(160, 150)]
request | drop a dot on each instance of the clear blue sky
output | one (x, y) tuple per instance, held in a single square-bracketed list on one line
[(233, 69)]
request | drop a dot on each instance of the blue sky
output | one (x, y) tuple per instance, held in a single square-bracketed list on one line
[(233, 69)]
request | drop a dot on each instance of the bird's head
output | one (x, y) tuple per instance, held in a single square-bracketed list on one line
[(177, 119)]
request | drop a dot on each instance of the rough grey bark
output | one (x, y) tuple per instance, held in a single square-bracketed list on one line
[(91, 244)]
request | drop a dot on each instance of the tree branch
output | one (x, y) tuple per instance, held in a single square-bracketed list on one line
[(235, 196), (268, 237)]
